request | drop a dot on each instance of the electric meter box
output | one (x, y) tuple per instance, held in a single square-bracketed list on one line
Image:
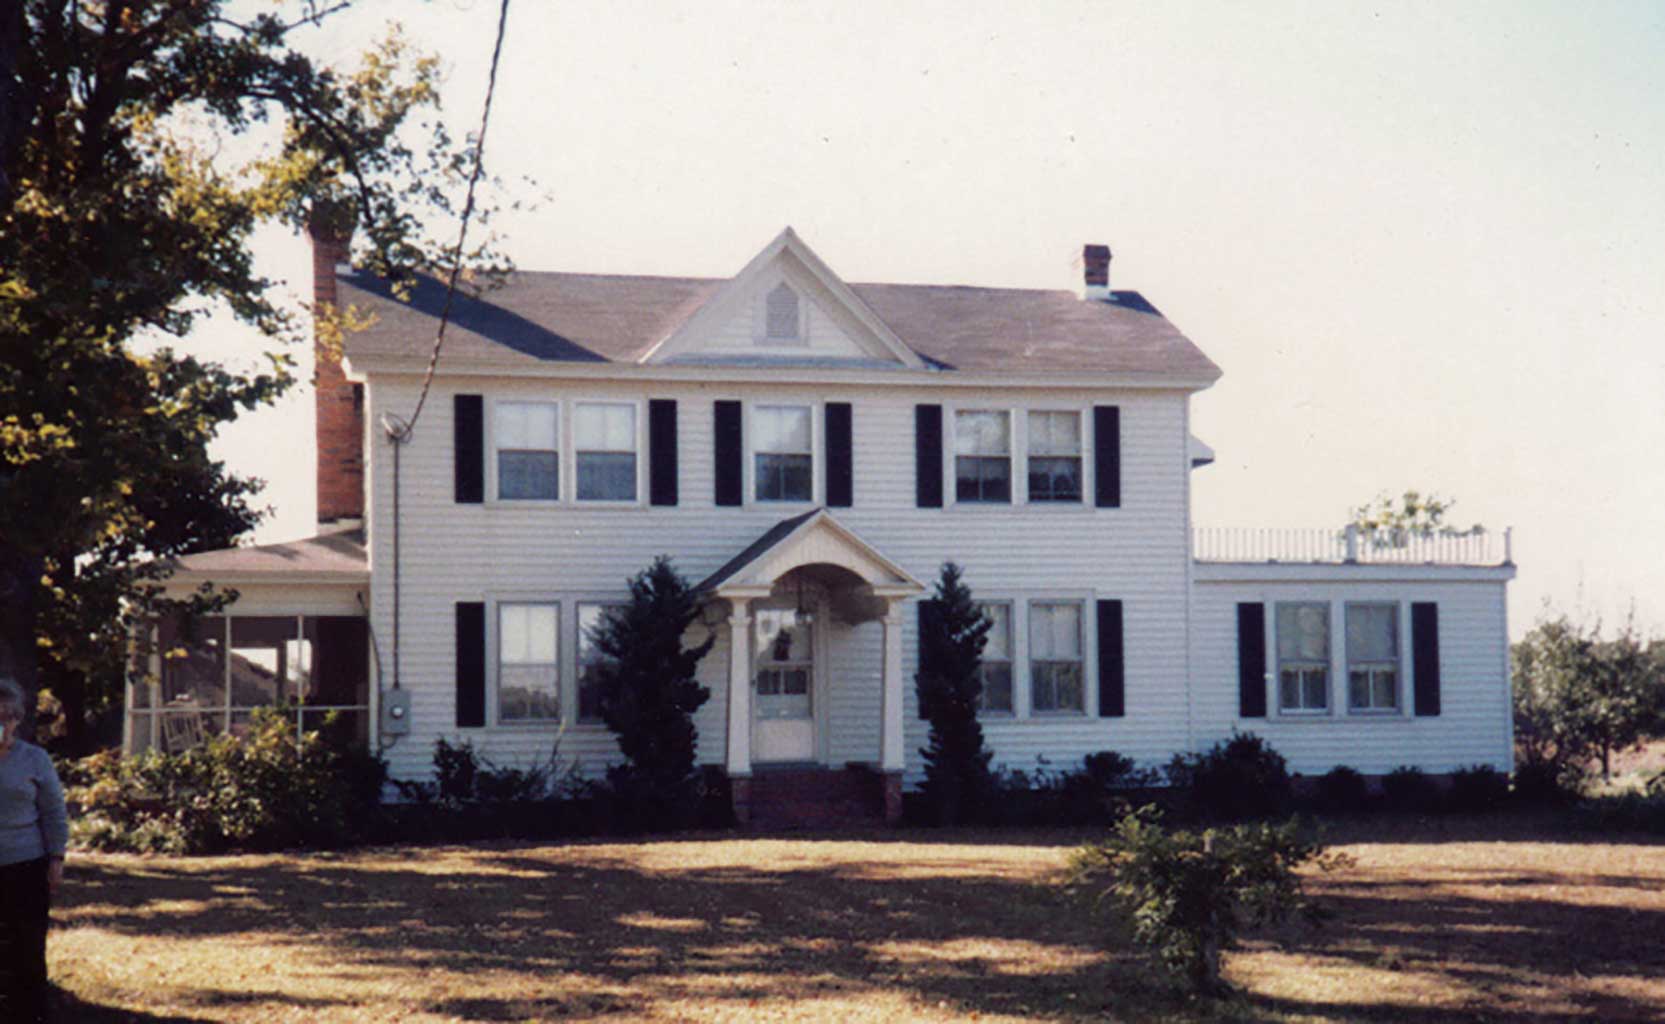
[(396, 713)]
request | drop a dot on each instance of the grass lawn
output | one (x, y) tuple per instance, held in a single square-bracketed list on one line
[(1438, 921)]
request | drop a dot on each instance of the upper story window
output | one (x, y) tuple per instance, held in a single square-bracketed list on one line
[(528, 667), (783, 453), (604, 440), (982, 456), (996, 666), (1303, 657), (781, 322), (526, 438), (1373, 657), (1055, 456), (1055, 657)]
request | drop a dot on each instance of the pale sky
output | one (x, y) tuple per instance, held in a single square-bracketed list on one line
[(1426, 243)]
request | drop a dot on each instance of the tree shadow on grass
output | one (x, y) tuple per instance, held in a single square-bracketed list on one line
[(599, 932)]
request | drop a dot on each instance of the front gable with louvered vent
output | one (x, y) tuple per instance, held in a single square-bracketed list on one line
[(786, 306)]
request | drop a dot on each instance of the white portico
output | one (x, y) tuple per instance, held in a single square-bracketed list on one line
[(794, 597)]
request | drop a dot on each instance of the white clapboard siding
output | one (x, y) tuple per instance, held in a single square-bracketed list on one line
[(1473, 724), (569, 552)]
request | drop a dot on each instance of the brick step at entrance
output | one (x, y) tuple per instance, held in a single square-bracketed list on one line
[(815, 797)]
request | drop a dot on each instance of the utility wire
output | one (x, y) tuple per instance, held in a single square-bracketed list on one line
[(401, 432)]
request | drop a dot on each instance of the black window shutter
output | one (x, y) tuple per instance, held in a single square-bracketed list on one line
[(1425, 656), (471, 664), (1251, 660), (468, 419), (929, 614), (841, 483), (1112, 679), (1107, 456), (927, 444), (662, 451), (728, 453)]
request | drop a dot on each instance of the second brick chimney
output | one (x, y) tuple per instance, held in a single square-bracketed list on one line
[(1096, 260), (340, 404)]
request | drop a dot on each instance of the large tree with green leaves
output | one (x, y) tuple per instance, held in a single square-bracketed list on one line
[(949, 686), (1580, 697), (125, 219)]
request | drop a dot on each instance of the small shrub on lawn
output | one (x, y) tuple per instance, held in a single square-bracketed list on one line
[(1409, 790), (259, 791), (1242, 777), (1186, 896), (1477, 789), (1342, 790)]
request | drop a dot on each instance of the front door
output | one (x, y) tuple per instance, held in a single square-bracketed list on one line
[(783, 688)]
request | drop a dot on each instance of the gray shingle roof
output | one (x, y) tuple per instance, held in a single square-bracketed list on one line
[(537, 317), (330, 555)]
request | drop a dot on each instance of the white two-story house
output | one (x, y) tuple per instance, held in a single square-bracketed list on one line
[(811, 452)]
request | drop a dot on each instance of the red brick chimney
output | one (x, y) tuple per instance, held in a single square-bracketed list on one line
[(340, 404), (1096, 260)]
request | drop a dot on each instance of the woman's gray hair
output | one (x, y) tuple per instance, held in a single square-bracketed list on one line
[(12, 694)]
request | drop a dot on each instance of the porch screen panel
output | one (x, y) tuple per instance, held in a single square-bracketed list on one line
[(1112, 680), (727, 456)]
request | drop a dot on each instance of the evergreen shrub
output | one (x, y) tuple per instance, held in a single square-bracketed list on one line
[(1242, 777), (1342, 790)]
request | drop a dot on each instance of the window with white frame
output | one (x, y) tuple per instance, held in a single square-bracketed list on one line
[(526, 436), (995, 669), (604, 441), (783, 453), (1055, 456), (982, 456), (1303, 657), (528, 663), (590, 616), (1373, 657), (1055, 657), (781, 318)]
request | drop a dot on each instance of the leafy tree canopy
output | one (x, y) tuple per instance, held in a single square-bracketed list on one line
[(124, 219), (1411, 514)]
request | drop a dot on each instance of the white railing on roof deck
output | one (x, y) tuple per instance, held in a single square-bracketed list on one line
[(1349, 544)]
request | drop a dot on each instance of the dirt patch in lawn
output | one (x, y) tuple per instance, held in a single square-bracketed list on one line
[(890, 927)]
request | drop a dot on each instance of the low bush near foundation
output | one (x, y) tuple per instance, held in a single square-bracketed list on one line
[(1186, 896), (1477, 789), (1409, 790), (1240, 778), (259, 791), (1342, 790)]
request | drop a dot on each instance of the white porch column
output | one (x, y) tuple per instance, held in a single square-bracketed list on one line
[(890, 722), (739, 688)]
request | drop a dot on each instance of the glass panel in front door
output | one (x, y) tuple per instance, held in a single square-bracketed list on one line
[(785, 659)]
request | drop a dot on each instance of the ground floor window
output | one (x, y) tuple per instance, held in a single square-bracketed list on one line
[(528, 662), (209, 675), (1373, 657), (996, 666), (1303, 657), (1055, 657)]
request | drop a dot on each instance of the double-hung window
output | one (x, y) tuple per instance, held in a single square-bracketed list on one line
[(1373, 657), (590, 616), (604, 440), (1055, 457), (526, 436), (528, 664), (1303, 657), (1055, 658), (996, 666), (982, 456), (783, 453)]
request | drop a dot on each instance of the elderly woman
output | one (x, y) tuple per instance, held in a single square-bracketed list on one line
[(33, 833)]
